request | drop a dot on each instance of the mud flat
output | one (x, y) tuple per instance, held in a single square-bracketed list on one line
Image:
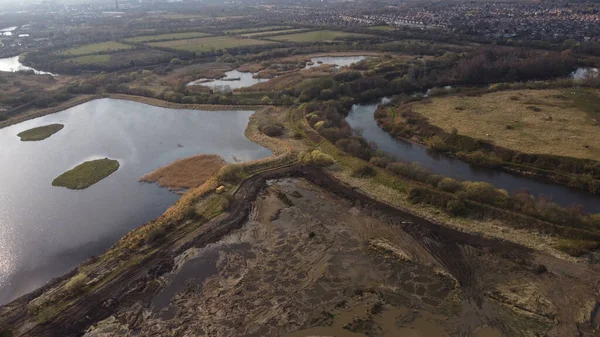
[(300, 254)]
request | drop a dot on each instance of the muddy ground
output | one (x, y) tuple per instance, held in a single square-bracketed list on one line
[(310, 257)]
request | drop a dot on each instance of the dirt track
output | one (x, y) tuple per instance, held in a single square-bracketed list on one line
[(497, 285)]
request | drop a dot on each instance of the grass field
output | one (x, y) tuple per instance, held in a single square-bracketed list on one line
[(316, 36), (209, 43), (86, 174), (274, 32), (40, 133), (92, 59), (166, 37), (258, 29), (187, 172), (383, 27), (94, 48), (531, 121)]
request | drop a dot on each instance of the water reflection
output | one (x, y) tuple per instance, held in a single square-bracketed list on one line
[(12, 64), (46, 230)]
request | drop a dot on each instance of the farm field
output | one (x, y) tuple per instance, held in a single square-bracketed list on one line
[(532, 121), (257, 29), (382, 27), (275, 32), (94, 48), (92, 59), (166, 37), (209, 43), (315, 36)]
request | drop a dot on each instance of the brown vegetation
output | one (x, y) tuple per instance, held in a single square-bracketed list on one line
[(187, 172)]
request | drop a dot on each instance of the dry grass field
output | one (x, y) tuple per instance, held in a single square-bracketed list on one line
[(184, 173), (558, 122)]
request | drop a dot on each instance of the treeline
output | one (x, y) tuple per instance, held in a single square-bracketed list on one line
[(374, 78), (475, 200)]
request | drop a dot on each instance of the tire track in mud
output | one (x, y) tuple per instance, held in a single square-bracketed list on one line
[(442, 242)]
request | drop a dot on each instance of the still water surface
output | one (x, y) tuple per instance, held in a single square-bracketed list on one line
[(12, 64), (46, 231), (362, 117), (236, 79)]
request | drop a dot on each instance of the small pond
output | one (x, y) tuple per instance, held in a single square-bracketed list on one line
[(362, 117), (236, 79), (12, 64), (45, 231), (582, 73)]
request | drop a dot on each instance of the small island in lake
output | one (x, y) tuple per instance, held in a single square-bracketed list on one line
[(40, 133), (86, 174)]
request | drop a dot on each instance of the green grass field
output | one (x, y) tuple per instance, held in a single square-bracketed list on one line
[(258, 29), (94, 48), (316, 36), (166, 37), (274, 32), (86, 174), (92, 59), (383, 27), (209, 43), (40, 133)]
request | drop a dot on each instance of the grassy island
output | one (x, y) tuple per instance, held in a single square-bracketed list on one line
[(87, 174), (40, 133)]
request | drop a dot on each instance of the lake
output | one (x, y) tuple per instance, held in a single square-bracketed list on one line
[(45, 231), (12, 64), (362, 117), (236, 79)]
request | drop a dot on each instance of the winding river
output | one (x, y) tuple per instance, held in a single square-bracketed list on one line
[(45, 231), (362, 117)]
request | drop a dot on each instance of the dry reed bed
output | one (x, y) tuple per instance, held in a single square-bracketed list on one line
[(189, 172)]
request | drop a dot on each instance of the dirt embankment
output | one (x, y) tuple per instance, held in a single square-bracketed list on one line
[(480, 282)]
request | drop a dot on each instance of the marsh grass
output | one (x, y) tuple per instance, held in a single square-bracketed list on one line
[(40, 133), (86, 174), (187, 172)]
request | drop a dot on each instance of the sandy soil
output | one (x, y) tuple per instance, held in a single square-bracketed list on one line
[(308, 262)]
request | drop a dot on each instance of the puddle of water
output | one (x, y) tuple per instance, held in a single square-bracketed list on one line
[(233, 80), (194, 271), (338, 61)]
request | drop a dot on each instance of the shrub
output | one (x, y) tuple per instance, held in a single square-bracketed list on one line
[(76, 284), (315, 157), (484, 193), (380, 161), (449, 185), (457, 206), (412, 171), (156, 235), (231, 173), (272, 130), (363, 171)]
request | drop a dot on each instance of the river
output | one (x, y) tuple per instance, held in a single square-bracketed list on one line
[(45, 231), (362, 117)]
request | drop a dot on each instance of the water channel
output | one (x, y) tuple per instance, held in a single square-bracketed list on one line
[(45, 231), (362, 117)]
